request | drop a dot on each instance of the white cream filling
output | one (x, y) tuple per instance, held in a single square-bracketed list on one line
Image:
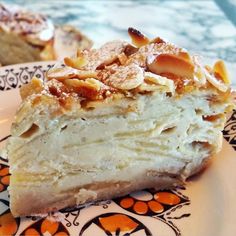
[(164, 135)]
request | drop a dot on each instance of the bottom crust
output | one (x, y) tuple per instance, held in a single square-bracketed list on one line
[(42, 201)]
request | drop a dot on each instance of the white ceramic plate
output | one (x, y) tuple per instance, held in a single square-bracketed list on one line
[(206, 207)]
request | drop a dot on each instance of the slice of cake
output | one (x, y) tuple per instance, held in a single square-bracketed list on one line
[(26, 37), (114, 120)]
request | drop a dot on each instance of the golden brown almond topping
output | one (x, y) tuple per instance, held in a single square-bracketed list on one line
[(67, 102), (120, 68), (220, 72), (35, 86), (157, 40), (208, 68), (76, 63), (169, 63), (130, 49), (61, 73), (106, 55), (83, 89), (212, 118), (125, 77), (182, 85), (138, 39), (154, 83), (151, 78), (218, 76), (54, 91), (43, 98), (151, 51), (56, 88), (68, 73), (85, 74), (89, 88), (184, 55), (218, 84), (122, 58)]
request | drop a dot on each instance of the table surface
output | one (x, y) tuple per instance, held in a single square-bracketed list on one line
[(205, 27)]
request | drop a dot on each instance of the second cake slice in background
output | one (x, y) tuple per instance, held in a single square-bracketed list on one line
[(27, 37)]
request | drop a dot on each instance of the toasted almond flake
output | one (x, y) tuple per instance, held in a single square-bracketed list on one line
[(220, 69), (199, 76), (184, 55), (157, 40), (145, 87), (151, 51), (130, 49), (122, 58), (103, 56), (61, 73), (208, 68), (79, 53), (68, 72), (35, 86), (159, 80), (76, 63), (138, 39), (126, 77), (84, 74), (215, 82), (199, 72), (90, 83), (169, 63), (90, 89)]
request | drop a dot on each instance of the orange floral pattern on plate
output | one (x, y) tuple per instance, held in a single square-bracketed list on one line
[(46, 227), (8, 224), (4, 177), (150, 202), (114, 224)]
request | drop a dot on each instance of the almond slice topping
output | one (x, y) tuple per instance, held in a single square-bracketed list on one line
[(157, 40), (122, 58), (61, 74), (215, 82), (169, 63), (89, 88), (76, 63), (35, 86), (106, 55), (125, 77), (221, 71), (138, 39), (159, 80)]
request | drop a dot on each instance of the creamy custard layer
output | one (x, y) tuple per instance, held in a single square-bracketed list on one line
[(162, 129)]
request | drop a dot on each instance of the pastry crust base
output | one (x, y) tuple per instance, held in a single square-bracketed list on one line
[(42, 200), (35, 200)]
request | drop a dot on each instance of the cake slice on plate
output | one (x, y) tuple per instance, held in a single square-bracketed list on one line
[(114, 120)]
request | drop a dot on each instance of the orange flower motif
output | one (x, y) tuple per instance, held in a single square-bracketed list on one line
[(8, 224), (150, 203), (117, 221), (114, 224), (4, 177), (46, 227)]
